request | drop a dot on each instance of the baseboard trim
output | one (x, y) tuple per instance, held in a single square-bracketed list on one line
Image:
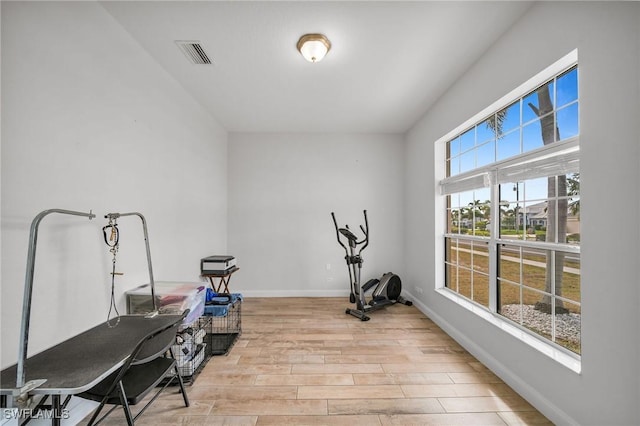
[(297, 293)]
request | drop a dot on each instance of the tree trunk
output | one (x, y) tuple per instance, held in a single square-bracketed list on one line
[(556, 208)]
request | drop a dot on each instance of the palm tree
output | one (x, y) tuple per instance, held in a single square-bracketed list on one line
[(556, 191), (485, 209), (455, 218), (466, 216), (476, 210), (508, 214), (573, 189), (557, 208)]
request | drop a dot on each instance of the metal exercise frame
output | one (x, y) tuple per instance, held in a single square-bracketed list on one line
[(22, 388)]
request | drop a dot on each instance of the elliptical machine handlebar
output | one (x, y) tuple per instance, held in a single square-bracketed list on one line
[(335, 223), (366, 231), (351, 237)]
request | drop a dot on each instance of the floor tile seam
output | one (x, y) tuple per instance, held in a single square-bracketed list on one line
[(498, 413), (486, 397), (391, 389), (349, 379), (406, 410), (320, 415)]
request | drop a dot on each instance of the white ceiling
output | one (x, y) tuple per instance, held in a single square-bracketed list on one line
[(389, 61)]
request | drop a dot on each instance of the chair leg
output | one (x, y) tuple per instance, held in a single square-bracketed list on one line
[(125, 404), (97, 412), (181, 383)]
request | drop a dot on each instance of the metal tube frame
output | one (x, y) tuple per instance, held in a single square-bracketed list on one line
[(146, 242), (21, 387), (28, 288)]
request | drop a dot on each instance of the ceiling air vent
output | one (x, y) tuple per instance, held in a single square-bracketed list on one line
[(194, 52)]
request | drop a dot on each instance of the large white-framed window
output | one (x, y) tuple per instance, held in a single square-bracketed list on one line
[(510, 207)]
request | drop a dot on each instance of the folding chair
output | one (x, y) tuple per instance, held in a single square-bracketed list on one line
[(145, 369)]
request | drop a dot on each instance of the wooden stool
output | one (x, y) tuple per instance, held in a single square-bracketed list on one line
[(224, 277)]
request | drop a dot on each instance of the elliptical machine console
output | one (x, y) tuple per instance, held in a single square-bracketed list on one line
[(386, 290)]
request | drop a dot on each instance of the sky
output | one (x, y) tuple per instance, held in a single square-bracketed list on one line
[(520, 132)]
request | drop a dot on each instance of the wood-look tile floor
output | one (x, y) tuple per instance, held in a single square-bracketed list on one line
[(303, 361)]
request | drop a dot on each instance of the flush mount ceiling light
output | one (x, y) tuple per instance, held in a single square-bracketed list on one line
[(313, 47)]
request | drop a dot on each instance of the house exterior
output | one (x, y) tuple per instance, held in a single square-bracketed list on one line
[(535, 216)]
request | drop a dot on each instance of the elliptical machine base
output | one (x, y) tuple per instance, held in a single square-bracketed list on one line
[(387, 292)]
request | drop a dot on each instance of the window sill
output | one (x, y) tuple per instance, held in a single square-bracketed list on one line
[(572, 362)]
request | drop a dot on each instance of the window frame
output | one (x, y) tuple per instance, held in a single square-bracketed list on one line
[(567, 151)]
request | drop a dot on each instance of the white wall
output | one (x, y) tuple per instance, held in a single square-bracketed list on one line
[(282, 190), (90, 121), (608, 42)]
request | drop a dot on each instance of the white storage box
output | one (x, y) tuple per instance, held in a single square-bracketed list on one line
[(172, 297)]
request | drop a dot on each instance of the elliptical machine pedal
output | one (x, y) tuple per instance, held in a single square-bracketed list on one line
[(386, 290)]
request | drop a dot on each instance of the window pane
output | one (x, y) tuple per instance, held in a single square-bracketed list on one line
[(569, 284), (534, 269), (482, 195), (551, 228), (573, 209), (450, 214), (454, 147), (510, 191), (453, 166), (509, 301), (464, 282), (481, 257), (535, 219), (531, 103), (466, 198), (573, 224), (485, 154), (509, 118), (451, 277), (520, 221), (485, 130), (451, 253), (467, 161), (567, 121), (510, 262), (467, 140), (509, 145), (509, 219), (481, 288), (568, 327), (479, 212), (454, 200), (454, 222), (466, 217), (534, 189), (464, 253), (532, 318), (480, 227), (567, 88), (532, 136)]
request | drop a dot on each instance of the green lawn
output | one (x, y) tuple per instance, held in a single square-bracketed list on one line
[(534, 278)]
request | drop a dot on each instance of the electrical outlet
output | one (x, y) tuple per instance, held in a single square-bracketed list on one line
[(418, 289), (328, 266)]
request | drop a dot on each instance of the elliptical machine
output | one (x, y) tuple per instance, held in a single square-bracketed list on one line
[(387, 289)]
